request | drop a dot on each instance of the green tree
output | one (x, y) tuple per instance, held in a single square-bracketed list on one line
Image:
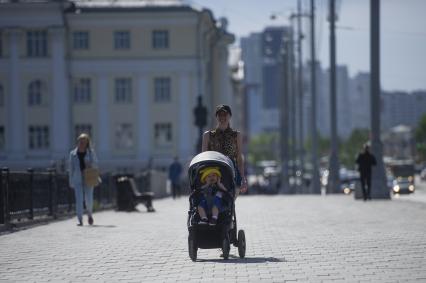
[(263, 147), (349, 149), (324, 145), (420, 137)]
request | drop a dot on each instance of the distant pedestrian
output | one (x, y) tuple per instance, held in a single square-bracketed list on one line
[(175, 171), (366, 161), (82, 157)]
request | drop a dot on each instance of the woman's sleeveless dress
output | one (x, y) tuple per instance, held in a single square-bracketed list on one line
[(225, 142)]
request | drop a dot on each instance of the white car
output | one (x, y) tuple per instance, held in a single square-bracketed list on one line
[(423, 174)]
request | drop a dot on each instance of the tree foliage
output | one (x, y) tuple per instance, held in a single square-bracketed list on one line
[(420, 137), (263, 147), (352, 146)]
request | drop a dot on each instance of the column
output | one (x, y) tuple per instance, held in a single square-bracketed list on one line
[(144, 121), (61, 106), (104, 126), (185, 142), (379, 188), (15, 141), (225, 76)]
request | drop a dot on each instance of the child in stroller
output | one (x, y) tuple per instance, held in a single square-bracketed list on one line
[(211, 175)]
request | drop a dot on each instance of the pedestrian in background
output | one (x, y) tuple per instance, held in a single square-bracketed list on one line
[(227, 141), (82, 157), (366, 161), (175, 171)]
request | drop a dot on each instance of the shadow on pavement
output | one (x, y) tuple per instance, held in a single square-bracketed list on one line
[(236, 259), (100, 226)]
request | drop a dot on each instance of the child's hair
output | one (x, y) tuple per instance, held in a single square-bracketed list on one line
[(209, 170)]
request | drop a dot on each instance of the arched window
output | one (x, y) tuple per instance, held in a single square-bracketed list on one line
[(36, 90), (2, 102)]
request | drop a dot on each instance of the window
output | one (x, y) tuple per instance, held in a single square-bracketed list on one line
[(82, 90), (36, 90), (162, 89), (124, 136), (2, 138), (38, 137), (160, 39), (123, 90), (122, 40), (82, 128), (37, 43), (163, 134), (1, 96), (81, 40)]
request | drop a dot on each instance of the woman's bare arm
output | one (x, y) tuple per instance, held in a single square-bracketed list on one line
[(205, 143), (240, 160)]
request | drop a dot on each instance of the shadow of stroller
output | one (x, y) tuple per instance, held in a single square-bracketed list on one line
[(236, 259)]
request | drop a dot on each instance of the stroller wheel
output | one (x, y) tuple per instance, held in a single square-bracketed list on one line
[(226, 246), (192, 247), (241, 244)]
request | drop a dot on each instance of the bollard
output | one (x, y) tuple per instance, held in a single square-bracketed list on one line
[(1, 198), (31, 204), (52, 192), (70, 193), (4, 196)]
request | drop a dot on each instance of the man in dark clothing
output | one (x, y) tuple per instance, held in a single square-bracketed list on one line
[(365, 161), (175, 171)]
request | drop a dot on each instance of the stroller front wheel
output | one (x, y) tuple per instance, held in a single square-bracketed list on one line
[(192, 246), (226, 247)]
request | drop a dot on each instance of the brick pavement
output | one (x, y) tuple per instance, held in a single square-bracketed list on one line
[(289, 238)]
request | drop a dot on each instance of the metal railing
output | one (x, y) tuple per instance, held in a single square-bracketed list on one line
[(27, 195)]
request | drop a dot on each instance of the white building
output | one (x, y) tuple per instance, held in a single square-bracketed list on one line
[(359, 99), (127, 72)]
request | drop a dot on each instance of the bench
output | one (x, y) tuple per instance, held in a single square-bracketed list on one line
[(128, 195)]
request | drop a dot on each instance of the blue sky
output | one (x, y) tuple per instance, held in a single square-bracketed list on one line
[(403, 27)]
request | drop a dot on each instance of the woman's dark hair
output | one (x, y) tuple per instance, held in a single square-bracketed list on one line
[(224, 108)]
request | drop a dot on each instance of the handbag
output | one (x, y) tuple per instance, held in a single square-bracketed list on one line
[(91, 177)]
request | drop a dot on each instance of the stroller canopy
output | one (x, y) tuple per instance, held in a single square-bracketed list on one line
[(214, 157)]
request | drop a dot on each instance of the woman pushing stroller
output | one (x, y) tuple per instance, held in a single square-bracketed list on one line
[(227, 141)]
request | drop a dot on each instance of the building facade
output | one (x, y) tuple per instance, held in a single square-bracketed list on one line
[(402, 108), (126, 73), (359, 98), (262, 54)]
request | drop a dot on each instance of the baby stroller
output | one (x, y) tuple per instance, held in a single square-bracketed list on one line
[(224, 233)]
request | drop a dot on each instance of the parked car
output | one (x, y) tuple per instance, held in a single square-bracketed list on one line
[(348, 187), (402, 186)]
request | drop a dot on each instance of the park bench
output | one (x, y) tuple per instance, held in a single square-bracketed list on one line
[(128, 195)]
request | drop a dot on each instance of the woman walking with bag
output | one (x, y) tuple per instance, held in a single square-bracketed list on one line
[(83, 166)]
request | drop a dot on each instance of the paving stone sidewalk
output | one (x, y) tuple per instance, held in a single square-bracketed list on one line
[(289, 238)]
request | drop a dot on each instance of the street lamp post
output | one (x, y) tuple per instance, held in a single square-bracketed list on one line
[(379, 188), (301, 148), (284, 120), (297, 105), (315, 182), (292, 106), (200, 115), (333, 183)]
